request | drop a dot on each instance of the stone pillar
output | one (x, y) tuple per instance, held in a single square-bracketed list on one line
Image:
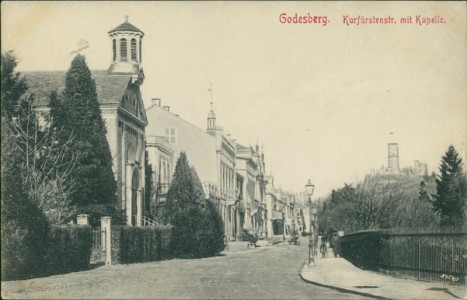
[(82, 219), (128, 192), (107, 234), (139, 205), (237, 213)]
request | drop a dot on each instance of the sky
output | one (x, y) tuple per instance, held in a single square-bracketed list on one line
[(321, 99)]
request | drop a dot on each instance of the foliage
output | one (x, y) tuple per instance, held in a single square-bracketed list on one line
[(47, 169), (76, 112), (46, 172), (13, 85), (451, 188), (197, 226), (24, 228), (210, 236), (149, 184), (377, 202), (139, 244), (69, 248)]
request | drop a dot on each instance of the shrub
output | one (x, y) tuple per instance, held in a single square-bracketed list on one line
[(140, 244), (69, 248)]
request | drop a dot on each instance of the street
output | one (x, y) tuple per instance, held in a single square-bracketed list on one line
[(263, 273)]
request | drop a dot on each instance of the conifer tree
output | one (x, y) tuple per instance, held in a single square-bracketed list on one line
[(451, 190), (24, 229), (197, 231), (182, 210), (149, 183), (13, 85), (77, 113)]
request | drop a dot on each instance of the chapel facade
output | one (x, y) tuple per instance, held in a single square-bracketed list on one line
[(122, 109)]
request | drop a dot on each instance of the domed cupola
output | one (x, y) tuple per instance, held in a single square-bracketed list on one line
[(211, 119), (126, 49)]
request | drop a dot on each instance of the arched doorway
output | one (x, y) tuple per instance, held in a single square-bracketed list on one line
[(134, 196)]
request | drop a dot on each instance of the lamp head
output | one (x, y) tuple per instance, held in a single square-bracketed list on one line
[(309, 188)]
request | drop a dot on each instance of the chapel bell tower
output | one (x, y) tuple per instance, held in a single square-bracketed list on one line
[(126, 49)]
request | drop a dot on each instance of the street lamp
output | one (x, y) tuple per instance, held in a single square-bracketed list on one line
[(309, 188)]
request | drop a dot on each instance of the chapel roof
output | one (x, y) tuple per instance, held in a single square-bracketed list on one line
[(109, 88), (125, 26)]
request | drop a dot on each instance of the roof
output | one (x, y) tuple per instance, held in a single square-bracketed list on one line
[(109, 88), (211, 114), (125, 26)]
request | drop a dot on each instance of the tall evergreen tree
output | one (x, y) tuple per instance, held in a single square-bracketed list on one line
[(198, 231), (77, 113), (181, 193), (24, 229), (451, 190), (182, 210), (149, 183), (13, 85)]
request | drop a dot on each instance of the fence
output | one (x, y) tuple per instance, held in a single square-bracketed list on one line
[(98, 246), (430, 255)]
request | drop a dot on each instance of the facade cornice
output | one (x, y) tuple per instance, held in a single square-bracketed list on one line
[(130, 117)]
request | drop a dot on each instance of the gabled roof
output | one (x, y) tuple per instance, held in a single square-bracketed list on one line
[(109, 88), (125, 26)]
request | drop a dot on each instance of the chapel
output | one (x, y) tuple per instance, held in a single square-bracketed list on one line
[(122, 109)]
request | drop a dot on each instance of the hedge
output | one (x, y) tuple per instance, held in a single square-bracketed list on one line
[(140, 244), (69, 248)]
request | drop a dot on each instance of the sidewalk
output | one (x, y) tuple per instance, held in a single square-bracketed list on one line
[(339, 274)]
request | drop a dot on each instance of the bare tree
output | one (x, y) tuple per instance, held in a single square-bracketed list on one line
[(47, 172)]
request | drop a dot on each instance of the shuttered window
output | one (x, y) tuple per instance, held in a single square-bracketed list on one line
[(114, 49), (123, 50), (133, 50)]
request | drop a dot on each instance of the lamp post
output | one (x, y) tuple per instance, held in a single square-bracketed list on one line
[(309, 188)]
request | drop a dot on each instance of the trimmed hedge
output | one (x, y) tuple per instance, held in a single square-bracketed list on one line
[(140, 244), (69, 248)]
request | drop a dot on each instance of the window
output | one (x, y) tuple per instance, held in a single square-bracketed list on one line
[(114, 49), (133, 50), (140, 53), (171, 134), (123, 50)]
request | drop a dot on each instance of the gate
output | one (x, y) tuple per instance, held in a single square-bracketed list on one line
[(98, 246)]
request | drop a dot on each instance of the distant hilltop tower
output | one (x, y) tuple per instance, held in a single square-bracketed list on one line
[(393, 158)]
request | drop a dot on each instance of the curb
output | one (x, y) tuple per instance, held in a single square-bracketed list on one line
[(342, 290)]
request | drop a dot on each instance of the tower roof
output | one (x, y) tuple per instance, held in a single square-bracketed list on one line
[(126, 26), (211, 114)]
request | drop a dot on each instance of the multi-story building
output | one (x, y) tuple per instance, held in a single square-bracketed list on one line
[(247, 168), (122, 109), (210, 152), (275, 212), (161, 154)]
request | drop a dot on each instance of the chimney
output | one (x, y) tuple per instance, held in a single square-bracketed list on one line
[(166, 107), (156, 101)]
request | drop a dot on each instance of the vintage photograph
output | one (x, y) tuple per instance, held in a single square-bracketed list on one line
[(233, 150)]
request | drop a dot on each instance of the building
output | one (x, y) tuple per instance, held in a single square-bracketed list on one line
[(160, 153), (209, 151), (122, 108), (393, 159), (420, 168), (247, 168), (275, 208)]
